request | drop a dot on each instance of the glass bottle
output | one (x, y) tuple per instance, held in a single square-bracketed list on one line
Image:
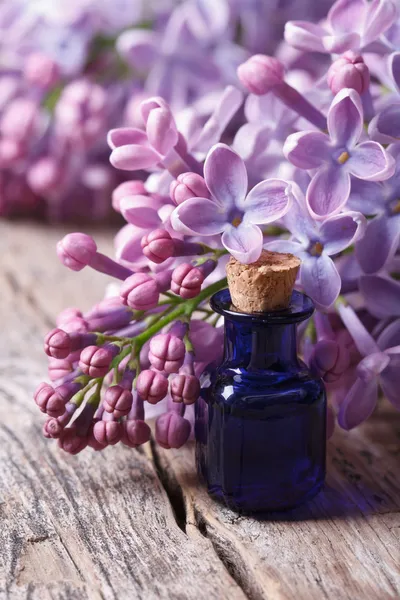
[(261, 417)]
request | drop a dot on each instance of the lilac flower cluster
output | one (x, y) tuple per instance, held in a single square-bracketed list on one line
[(73, 70), (299, 155)]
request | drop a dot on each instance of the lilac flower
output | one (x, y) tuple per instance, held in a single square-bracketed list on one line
[(385, 126), (379, 367), (337, 156), (382, 237), (269, 122), (351, 25), (314, 243), (381, 295), (230, 211), (172, 74)]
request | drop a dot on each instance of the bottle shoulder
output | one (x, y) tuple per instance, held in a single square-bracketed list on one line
[(232, 385)]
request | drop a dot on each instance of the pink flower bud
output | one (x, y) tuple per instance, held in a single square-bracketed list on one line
[(107, 433), (11, 151), (57, 344), (80, 113), (92, 442), (45, 175), (187, 281), (158, 246), (42, 396), (41, 70), (71, 442), (76, 250), (67, 314), (152, 386), (260, 73), (135, 433), (95, 361), (185, 388), (127, 188), (19, 119), (140, 292), (172, 430), (160, 125), (167, 352), (329, 360), (349, 71), (188, 185), (52, 428), (118, 401), (76, 325), (59, 367)]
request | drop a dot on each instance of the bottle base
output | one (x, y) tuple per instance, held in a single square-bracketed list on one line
[(259, 505)]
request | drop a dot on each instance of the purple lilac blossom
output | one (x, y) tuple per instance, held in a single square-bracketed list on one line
[(337, 155), (315, 243), (207, 173), (231, 210)]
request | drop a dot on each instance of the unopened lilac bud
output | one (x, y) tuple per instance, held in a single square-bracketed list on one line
[(152, 386), (52, 428), (76, 250), (67, 315), (349, 71), (135, 433), (172, 430), (160, 125), (127, 188), (80, 113), (167, 352), (158, 245), (185, 388), (11, 151), (57, 344), (42, 396), (187, 281), (118, 401), (188, 185), (95, 361), (140, 292), (41, 70), (19, 119), (260, 73), (76, 325), (45, 175), (71, 442), (107, 433), (59, 367)]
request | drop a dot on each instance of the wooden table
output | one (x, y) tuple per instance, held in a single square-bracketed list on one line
[(126, 524)]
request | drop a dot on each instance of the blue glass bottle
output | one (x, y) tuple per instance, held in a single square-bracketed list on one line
[(261, 418)]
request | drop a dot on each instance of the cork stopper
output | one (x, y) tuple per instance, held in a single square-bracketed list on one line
[(265, 285)]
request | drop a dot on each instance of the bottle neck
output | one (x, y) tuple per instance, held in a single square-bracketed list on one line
[(260, 346)]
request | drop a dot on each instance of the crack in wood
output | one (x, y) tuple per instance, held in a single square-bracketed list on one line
[(176, 497), (171, 488)]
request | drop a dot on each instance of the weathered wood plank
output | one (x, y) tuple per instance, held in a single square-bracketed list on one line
[(102, 526), (345, 544), (96, 526)]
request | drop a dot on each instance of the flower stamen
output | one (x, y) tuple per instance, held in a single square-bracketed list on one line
[(344, 157), (316, 249), (236, 221)]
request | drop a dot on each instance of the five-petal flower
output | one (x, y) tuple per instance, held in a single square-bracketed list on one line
[(350, 25), (337, 156), (231, 211), (314, 243)]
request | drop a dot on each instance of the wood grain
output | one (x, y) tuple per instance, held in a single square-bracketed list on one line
[(126, 524), (99, 525)]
